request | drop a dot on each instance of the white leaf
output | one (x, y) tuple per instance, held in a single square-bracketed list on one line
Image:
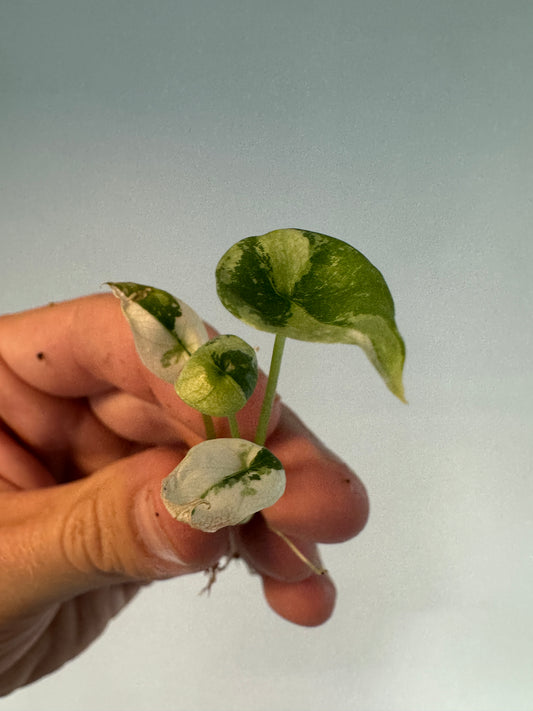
[(222, 482)]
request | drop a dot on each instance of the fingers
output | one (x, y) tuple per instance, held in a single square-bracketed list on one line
[(112, 526), (270, 555), (74, 348), (138, 420), (324, 501), (18, 468), (308, 602), (58, 542), (62, 434), (84, 348)]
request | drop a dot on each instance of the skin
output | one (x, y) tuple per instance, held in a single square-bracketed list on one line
[(87, 434)]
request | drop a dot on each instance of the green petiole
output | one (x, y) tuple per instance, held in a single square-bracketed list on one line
[(233, 426), (209, 427), (273, 375)]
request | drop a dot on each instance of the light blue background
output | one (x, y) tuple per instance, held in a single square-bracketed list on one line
[(138, 141)]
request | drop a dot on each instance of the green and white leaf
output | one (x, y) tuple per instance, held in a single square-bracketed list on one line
[(312, 287), (165, 329), (222, 482), (219, 377)]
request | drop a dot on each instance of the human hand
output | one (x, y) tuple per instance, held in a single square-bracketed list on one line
[(87, 434)]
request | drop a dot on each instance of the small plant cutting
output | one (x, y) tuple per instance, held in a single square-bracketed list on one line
[(291, 283)]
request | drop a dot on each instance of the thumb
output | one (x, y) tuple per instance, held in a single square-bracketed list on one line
[(111, 527)]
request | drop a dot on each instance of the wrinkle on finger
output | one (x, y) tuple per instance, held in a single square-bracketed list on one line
[(108, 528)]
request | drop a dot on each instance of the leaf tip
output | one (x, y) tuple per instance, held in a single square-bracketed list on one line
[(397, 389), (402, 398)]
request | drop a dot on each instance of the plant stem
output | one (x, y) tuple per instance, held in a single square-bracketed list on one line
[(209, 427), (233, 426), (270, 392)]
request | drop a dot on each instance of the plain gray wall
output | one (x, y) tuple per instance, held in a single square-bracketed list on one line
[(138, 141)]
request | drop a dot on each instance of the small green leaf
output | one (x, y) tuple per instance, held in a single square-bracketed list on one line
[(219, 377), (313, 287), (222, 482), (165, 329)]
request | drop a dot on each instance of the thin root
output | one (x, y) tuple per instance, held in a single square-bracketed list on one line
[(297, 552), (214, 570)]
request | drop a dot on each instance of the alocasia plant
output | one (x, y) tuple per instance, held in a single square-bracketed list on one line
[(293, 283)]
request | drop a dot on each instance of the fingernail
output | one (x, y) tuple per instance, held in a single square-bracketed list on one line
[(154, 538)]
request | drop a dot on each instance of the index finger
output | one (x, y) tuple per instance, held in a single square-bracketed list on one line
[(84, 348), (74, 348)]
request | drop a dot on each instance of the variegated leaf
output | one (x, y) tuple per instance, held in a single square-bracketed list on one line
[(313, 287), (165, 329), (222, 482), (219, 377)]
